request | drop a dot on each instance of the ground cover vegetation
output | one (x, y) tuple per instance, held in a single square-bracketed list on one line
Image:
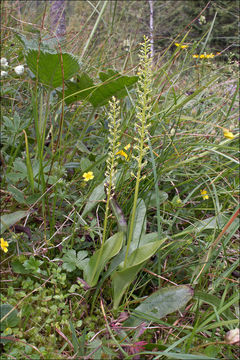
[(119, 182)]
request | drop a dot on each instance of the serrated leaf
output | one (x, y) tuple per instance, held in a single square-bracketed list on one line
[(161, 303), (10, 219), (71, 260), (114, 84), (50, 67)]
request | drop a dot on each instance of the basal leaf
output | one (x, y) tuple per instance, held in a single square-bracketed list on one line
[(161, 303), (97, 262), (10, 219), (125, 275)]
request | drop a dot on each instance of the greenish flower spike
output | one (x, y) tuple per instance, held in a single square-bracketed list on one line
[(113, 138), (143, 116)]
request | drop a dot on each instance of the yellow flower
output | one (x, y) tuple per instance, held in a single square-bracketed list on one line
[(202, 56), (181, 46), (228, 134), (210, 56), (127, 147), (4, 245), (204, 194), (121, 152), (195, 56), (88, 176)]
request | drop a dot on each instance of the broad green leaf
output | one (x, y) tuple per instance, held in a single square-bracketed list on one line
[(125, 275), (114, 84), (139, 226), (50, 67), (161, 303), (97, 195), (11, 219), (10, 320), (213, 222), (97, 262)]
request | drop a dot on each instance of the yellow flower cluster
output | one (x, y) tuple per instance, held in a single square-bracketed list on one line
[(181, 46), (204, 56), (4, 245)]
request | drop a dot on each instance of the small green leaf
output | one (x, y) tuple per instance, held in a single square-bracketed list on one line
[(10, 320), (71, 260), (161, 303), (10, 219), (32, 264)]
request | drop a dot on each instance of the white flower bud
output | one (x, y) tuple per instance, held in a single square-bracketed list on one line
[(4, 73), (232, 336), (19, 70), (4, 63)]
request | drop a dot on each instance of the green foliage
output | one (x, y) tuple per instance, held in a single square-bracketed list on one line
[(113, 84), (61, 66), (73, 261), (11, 219), (105, 249), (160, 304), (9, 317)]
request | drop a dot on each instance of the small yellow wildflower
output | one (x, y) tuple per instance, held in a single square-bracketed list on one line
[(88, 176), (202, 56), (228, 134), (195, 56), (204, 194), (181, 46), (4, 245), (209, 56), (127, 147), (121, 152)]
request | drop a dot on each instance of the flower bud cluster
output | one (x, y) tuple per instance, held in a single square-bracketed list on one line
[(143, 107), (113, 138)]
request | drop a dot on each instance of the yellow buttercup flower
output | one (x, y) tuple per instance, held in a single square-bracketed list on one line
[(228, 134), (195, 56), (88, 176), (4, 245), (204, 194)]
